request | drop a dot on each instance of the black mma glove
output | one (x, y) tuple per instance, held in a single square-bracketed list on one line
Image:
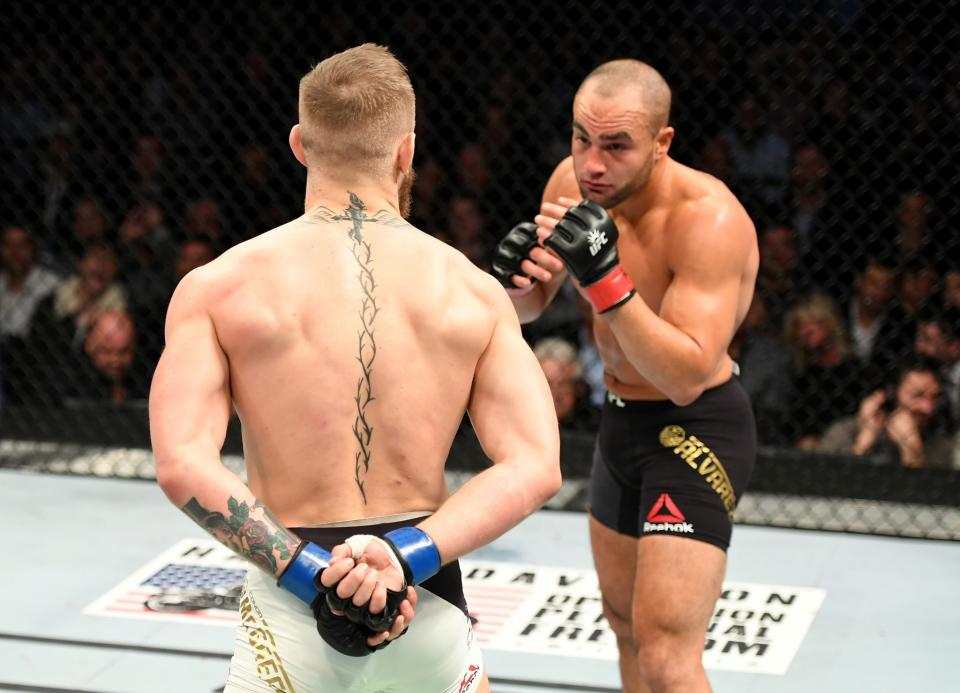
[(348, 631), (513, 249), (413, 553), (586, 240), (345, 633)]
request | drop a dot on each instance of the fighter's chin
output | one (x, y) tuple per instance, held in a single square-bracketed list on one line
[(605, 198)]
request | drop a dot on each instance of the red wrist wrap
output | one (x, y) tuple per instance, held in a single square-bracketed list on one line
[(610, 291)]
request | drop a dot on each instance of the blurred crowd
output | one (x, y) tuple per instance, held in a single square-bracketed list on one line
[(851, 345)]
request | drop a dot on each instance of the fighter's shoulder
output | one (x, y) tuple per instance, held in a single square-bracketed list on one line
[(562, 182), (207, 284), (711, 213), (472, 288)]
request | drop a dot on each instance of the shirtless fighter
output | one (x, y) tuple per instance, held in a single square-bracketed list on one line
[(668, 258), (350, 345)]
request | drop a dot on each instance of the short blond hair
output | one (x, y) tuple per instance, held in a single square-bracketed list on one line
[(354, 108)]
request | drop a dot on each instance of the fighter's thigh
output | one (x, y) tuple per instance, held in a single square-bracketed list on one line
[(676, 586), (614, 556), (276, 645)]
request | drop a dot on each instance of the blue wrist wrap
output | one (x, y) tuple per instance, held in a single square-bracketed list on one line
[(417, 551), (300, 574)]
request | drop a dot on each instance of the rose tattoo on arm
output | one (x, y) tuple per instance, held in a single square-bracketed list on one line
[(254, 533)]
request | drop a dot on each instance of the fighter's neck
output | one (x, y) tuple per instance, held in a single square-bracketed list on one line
[(340, 195), (656, 188)]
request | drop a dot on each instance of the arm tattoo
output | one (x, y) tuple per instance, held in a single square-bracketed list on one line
[(253, 533)]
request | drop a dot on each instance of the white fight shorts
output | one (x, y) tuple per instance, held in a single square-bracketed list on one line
[(278, 648)]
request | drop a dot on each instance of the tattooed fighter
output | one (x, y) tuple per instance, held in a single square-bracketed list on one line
[(350, 345)]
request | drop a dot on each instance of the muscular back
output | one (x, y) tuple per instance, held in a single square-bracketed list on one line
[(352, 346), (691, 226)]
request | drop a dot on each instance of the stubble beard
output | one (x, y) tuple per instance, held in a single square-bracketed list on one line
[(405, 193)]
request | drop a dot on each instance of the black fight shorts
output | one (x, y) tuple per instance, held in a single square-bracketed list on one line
[(679, 471)]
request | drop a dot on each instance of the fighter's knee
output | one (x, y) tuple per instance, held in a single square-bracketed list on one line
[(619, 621), (662, 661)]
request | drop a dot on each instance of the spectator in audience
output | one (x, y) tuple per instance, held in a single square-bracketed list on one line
[(89, 225), (839, 125), (761, 156), (24, 285), (467, 226), (145, 244), (203, 218), (915, 231), (892, 424), (825, 374), (257, 201), (918, 284), (950, 297), (828, 221), (938, 339), (149, 179), (473, 174), (764, 371), (57, 188), (23, 282), (716, 158), (149, 298), (874, 291), (779, 280), (106, 371), (810, 204), (62, 320), (561, 366), (944, 451)]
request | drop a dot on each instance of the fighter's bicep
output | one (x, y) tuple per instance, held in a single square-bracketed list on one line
[(510, 404), (190, 393), (703, 296), (707, 313)]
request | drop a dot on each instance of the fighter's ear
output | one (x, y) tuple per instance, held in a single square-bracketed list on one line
[(296, 144), (663, 141), (404, 160)]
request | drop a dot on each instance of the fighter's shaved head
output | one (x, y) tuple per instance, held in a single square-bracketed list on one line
[(613, 78)]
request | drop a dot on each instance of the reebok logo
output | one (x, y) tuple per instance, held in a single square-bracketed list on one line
[(597, 239), (665, 516)]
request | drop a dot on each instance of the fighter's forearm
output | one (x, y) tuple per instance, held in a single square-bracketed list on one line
[(666, 356), (214, 498), (530, 306), (488, 505)]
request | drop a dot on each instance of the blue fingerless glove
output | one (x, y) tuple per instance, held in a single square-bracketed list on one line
[(302, 574), (416, 552)]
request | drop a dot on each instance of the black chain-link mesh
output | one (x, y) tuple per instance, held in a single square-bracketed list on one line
[(141, 141)]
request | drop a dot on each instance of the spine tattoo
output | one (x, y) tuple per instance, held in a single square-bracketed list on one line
[(357, 215), (254, 533), (366, 343)]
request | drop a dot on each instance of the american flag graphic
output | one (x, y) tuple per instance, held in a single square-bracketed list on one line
[(492, 606), (197, 577), (193, 582)]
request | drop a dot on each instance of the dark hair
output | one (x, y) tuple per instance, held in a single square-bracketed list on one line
[(947, 319), (916, 263), (916, 364)]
